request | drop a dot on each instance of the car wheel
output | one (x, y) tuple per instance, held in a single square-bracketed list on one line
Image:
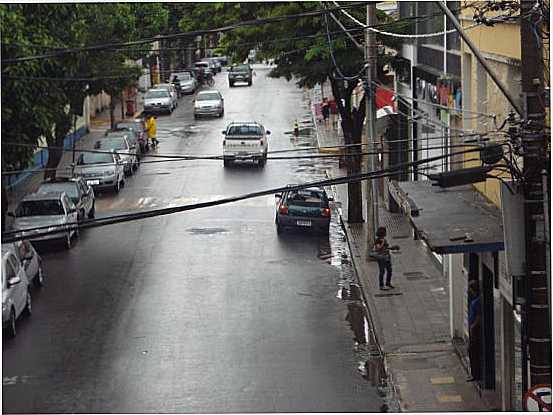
[(39, 278), (28, 304), (279, 228), (92, 211), (117, 187), (123, 182), (196, 116), (249, 83), (81, 215), (68, 240), (10, 329), (231, 84), (226, 163), (221, 114)]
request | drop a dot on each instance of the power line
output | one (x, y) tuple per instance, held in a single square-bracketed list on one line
[(254, 22), (11, 236)]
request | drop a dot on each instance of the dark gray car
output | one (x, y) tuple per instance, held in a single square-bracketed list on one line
[(304, 208), (240, 73)]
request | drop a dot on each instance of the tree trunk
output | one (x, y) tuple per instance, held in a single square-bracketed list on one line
[(352, 135), (112, 111), (122, 106), (55, 153)]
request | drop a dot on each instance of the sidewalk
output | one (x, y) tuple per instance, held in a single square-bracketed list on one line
[(411, 322), (98, 125)]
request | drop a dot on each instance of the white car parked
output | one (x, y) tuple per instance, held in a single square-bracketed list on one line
[(16, 293), (245, 141)]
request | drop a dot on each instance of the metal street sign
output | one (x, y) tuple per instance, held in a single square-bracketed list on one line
[(538, 399)]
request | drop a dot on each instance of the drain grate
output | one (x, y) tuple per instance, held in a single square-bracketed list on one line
[(387, 294), (416, 275)]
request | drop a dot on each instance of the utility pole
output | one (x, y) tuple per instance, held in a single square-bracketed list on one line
[(536, 160), (371, 186)]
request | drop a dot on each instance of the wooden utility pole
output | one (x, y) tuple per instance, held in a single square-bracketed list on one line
[(371, 186), (536, 160)]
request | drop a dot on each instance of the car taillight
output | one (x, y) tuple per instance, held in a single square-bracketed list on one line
[(326, 212), (283, 209)]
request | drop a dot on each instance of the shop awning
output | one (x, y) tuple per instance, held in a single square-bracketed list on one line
[(453, 220)]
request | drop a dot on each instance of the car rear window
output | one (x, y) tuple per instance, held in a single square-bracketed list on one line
[(68, 187), (95, 158), (39, 208), (115, 143), (212, 96), (240, 68), (253, 130), (308, 198)]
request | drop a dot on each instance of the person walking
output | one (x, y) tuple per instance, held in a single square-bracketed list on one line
[(325, 109), (333, 113), (475, 335), (151, 129), (382, 250)]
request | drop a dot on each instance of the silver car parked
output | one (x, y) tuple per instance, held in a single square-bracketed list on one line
[(16, 293), (120, 141), (158, 100), (101, 170), (51, 212), (80, 193)]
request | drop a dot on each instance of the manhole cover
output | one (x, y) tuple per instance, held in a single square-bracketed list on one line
[(387, 294), (416, 275)]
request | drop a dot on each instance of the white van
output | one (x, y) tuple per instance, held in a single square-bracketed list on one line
[(245, 141)]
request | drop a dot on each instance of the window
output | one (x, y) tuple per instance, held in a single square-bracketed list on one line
[(156, 94), (115, 143), (254, 130), (10, 269), (95, 158), (40, 208), (307, 198), (212, 96)]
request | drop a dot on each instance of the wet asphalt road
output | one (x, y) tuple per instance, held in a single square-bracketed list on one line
[(201, 312)]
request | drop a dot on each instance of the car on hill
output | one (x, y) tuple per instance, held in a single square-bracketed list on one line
[(46, 216), (245, 141), (303, 208), (80, 193), (101, 170), (209, 103)]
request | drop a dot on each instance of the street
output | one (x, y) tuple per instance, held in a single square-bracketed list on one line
[(206, 311)]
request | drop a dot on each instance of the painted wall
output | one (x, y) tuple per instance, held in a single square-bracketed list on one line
[(500, 45)]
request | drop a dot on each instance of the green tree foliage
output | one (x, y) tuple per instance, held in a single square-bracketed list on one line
[(35, 102)]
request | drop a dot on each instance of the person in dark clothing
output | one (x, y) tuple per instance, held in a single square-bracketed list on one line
[(382, 247), (325, 109), (475, 336)]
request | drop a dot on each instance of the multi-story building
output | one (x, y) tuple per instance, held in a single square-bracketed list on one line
[(446, 95)]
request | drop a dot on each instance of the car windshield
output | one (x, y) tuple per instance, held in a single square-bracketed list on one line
[(95, 158), (307, 198), (253, 130), (39, 208), (183, 77), (129, 125), (115, 143), (212, 96), (156, 94), (68, 187)]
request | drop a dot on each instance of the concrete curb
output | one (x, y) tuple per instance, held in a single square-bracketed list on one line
[(370, 307)]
